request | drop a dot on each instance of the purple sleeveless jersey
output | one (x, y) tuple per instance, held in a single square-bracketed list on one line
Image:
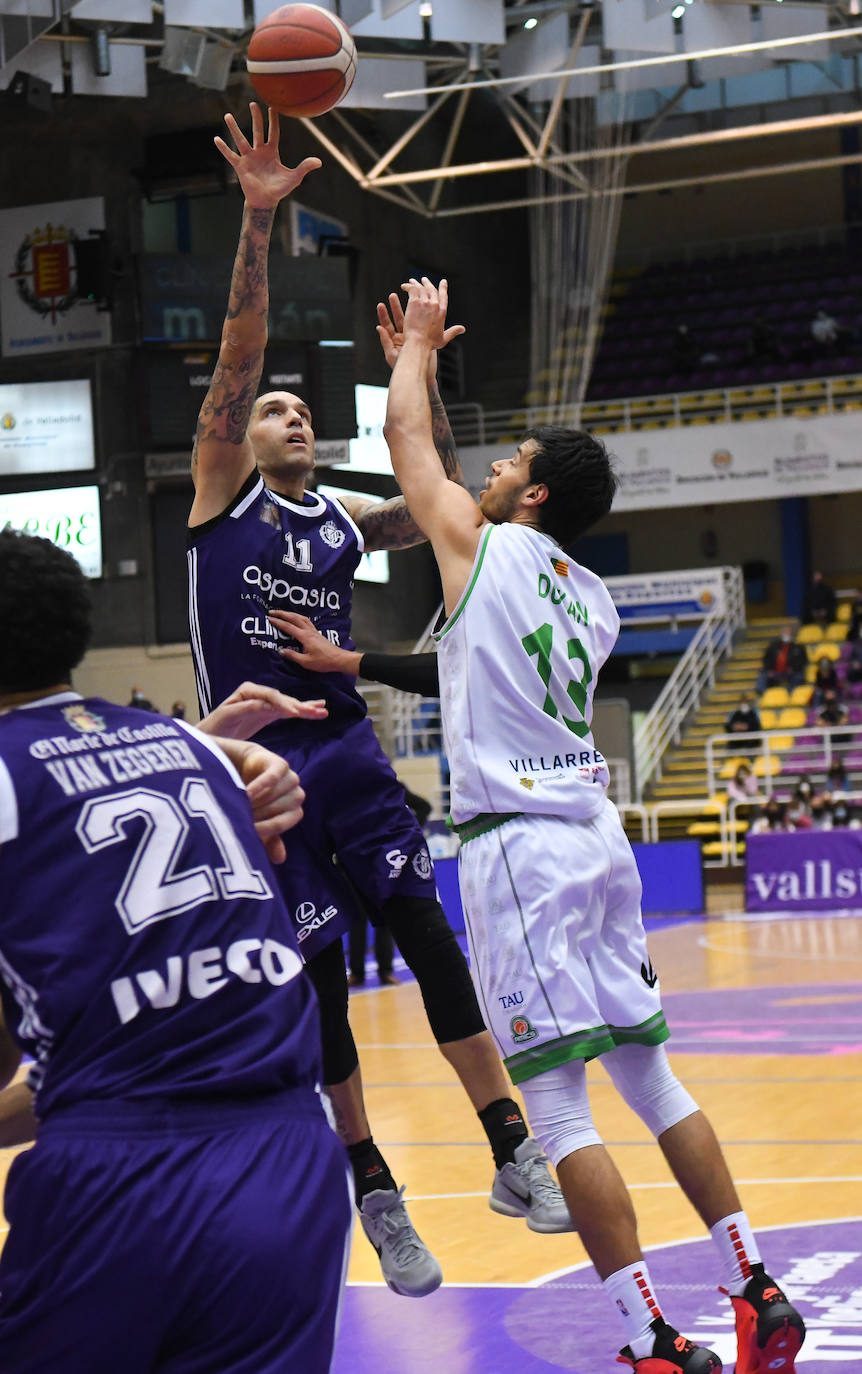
[(144, 948), (265, 553)]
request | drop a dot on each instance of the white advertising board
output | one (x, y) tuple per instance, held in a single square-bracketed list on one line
[(690, 594), (40, 311), (69, 517), (45, 427), (754, 460)]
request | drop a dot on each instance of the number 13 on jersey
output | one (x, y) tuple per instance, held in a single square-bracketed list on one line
[(539, 644)]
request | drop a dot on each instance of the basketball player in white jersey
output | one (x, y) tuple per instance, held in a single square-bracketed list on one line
[(550, 888)]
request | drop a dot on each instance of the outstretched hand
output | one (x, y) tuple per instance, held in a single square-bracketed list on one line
[(262, 175), (316, 652), (252, 706), (390, 330)]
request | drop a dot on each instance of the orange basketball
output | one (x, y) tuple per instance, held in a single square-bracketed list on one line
[(301, 60)]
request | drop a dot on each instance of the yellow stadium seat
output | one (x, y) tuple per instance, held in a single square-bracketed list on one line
[(768, 718), (791, 718), (729, 769), (837, 631), (766, 767), (844, 612), (715, 850), (775, 696), (810, 672), (809, 634), (782, 742), (825, 649), (704, 828), (801, 695)]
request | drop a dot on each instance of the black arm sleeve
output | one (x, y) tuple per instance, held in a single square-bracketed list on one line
[(407, 672)]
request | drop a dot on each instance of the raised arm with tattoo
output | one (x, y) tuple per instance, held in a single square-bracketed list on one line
[(389, 524), (223, 455)]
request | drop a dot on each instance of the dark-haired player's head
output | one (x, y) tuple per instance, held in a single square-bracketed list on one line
[(45, 613), (281, 434), (560, 478)]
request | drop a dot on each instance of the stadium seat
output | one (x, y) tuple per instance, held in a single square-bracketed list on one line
[(844, 612), (801, 695), (768, 717), (730, 767), (791, 718), (825, 650), (775, 696), (809, 634), (837, 631), (784, 742), (766, 767)]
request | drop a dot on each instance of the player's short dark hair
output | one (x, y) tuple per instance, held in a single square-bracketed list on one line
[(45, 613), (576, 469)]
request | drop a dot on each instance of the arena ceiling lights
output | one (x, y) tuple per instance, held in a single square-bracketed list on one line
[(629, 61)]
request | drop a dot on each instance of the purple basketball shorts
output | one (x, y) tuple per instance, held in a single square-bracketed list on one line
[(176, 1240)]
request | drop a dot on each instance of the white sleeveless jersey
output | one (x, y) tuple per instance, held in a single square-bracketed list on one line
[(518, 658)]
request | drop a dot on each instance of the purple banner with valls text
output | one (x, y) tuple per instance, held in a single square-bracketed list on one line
[(806, 870)]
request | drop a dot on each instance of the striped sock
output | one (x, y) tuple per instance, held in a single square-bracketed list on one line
[(630, 1290), (738, 1250)]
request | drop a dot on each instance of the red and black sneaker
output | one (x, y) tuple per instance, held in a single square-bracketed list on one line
[(769, 1330), (671, 1354)]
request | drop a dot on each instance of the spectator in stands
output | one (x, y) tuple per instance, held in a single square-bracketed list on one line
[(763, 343), (845, 817), (771, 818), (743, 719), (854, 662), (140, 701), (825, 332), (684, 352), (820, 603), (826, 680), (784, 662), (742, 787), (832, 711), (798, 814), (821, 813), (837, 780), (854, 629), (178, 710)]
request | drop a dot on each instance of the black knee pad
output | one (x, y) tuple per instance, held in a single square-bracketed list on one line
[(329, 976), (435, 958)]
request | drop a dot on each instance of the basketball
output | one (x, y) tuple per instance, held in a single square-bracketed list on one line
[(301, 60)]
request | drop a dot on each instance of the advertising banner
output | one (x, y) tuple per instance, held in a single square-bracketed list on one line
[(808, 870), (69, 517), (45, 427), (691, 594), (40, 310), (704, 465)]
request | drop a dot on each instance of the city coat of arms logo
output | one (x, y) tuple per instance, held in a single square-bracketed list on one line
[(43, 271)]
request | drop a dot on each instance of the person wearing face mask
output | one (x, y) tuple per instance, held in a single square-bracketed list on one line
[(743, 719), (784, 662)]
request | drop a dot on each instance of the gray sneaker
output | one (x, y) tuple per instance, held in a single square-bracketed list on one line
[(526, 1189), (408, 1265)]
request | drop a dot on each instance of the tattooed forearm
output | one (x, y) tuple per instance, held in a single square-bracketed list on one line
[(389, 525), (249, 293), (444, 440)]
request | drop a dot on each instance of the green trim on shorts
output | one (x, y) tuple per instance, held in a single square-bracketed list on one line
[(481, 823), (586, 1045)]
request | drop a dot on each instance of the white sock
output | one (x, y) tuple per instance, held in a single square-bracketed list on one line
[(630, 1290), (738, 1250)]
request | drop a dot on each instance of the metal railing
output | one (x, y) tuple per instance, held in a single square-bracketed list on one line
[(472, 424), (778, 755), (691, 678)]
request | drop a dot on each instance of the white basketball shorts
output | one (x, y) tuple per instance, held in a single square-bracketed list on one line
[(557, 946)]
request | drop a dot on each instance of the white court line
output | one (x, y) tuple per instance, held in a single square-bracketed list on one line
[(742, 1182)]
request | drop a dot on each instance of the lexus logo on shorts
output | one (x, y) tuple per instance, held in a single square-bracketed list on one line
[(305, 911)]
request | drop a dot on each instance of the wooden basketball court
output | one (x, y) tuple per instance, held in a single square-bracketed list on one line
[(766, 1019)]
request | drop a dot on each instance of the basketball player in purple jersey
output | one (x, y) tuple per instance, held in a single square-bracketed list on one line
[(186, 1205), (260, 542)]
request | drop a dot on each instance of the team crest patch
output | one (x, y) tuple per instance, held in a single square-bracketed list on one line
[(560, 566), (529, 783), (332, 535), (422, 864), (81, 719), (522, 1029)]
